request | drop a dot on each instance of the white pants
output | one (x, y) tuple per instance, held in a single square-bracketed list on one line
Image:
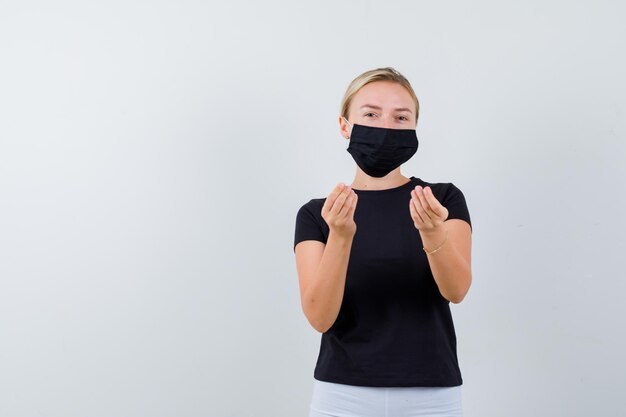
[(341, 400)]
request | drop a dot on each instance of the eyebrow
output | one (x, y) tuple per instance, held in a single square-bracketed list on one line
[(378, 108)]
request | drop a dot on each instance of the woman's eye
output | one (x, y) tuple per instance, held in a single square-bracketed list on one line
[(405, 118), (367, 114)]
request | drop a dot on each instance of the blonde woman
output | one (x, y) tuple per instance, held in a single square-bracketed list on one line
[(379, 262)]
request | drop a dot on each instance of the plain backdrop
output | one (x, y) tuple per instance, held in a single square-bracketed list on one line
[(153, 156)]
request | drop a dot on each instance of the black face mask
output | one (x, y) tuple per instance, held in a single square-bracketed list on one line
[(378, 150)]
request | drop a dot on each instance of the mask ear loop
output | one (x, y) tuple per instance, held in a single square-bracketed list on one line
[(351, 125)]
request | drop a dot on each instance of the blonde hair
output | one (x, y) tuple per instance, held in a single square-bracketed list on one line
[(378, 74)]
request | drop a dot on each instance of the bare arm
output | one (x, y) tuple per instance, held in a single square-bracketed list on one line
[(451, 262), (322, 267), (322, 289), (451, 265)]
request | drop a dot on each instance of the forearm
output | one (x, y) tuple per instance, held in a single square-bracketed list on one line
[(451, 271), (324, 295)]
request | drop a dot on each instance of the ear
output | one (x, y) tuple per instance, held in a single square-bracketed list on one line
[(344, 128)]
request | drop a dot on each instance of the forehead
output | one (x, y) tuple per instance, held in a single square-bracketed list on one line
[(386, 94)]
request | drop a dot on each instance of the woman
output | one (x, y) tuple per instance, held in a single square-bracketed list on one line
[(379, 262)]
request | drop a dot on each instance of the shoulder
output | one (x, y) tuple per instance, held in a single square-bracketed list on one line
[(312, 209), (442, 190), (310, 225), (314, 205)]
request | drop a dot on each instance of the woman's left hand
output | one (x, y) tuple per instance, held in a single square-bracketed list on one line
[(427, 212)]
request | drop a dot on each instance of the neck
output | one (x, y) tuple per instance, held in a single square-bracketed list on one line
[(362, 181)]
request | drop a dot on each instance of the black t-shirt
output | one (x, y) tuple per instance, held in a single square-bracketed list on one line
[(394, 328)]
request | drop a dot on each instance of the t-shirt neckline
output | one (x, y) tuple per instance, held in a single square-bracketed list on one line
[(406, 186)]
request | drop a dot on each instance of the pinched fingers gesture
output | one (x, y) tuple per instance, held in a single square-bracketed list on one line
[(426, 211), (338, 210)]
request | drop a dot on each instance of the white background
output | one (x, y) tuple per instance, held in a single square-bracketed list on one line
[(153, 156)]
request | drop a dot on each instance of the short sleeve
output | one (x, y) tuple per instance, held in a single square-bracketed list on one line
[(308, 226), (454, 201)]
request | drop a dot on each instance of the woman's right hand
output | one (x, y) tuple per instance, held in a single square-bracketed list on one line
[(338, 210)]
